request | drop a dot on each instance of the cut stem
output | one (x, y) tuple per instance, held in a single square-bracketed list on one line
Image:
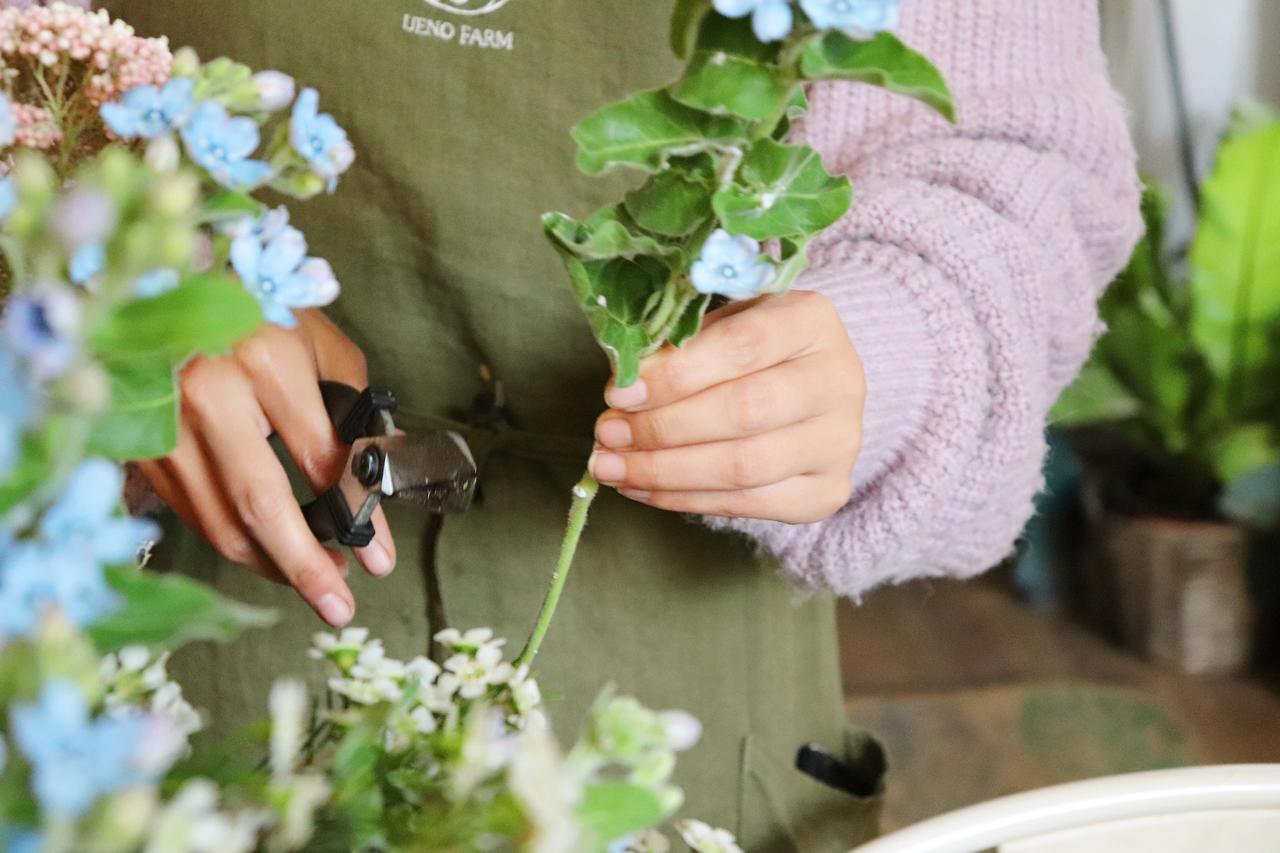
[(583, 494)]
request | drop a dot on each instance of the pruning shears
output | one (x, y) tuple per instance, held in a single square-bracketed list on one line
[(434, 469)]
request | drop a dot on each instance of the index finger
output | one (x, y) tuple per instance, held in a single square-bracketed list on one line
[(744, 339)]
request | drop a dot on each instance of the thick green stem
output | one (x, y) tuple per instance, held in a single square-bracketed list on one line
[(583, 494)]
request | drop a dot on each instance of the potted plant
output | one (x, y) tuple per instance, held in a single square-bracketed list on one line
[(1177, 420)]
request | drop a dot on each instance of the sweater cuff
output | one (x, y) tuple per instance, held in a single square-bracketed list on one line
[(899, 358)]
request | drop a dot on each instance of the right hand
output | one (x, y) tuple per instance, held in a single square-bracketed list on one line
[(225, 481)]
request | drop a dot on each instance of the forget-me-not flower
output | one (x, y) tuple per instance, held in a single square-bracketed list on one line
[(221, 144), (41, 328), (148, 111), (281, 276), (87, 262), (319, 139), (8, 122), (75, 759), (36, 578), (770, 19), (155, 282), (731, 266), (85, 516), (870, 16)]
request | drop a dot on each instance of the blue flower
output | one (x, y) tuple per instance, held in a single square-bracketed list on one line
[(149, 112), (85, 516), (281, 276), (36, 578), (76, 760), (8, 122), (155, 282), (319, 139), (770, 19), (222, 144), (8, 197), (731, 266), (867, 15), (87, 261), (18, 407), (41, 329)]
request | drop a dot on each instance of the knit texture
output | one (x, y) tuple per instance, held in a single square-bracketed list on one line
[(967, 273)]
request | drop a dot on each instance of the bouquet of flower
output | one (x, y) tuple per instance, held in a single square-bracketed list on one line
[(132, 239)]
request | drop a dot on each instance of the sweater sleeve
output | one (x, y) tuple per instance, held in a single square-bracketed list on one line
[(967, 274)]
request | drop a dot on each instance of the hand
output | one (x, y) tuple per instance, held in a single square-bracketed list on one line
[(759, 416), (225, 481)]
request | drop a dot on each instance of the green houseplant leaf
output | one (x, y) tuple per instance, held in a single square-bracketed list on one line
[(782, 191), (1235, 260), (671, 203), (732, 73), (646, 130), (167, 611), (206, 314), (141, 421), (881, 61)]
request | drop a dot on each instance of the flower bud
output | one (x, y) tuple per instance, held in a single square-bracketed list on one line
[(186, 63), (163, 154), (276, 90)]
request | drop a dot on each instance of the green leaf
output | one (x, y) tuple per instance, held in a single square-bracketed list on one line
[(206, 314), (646, 130), (611, 810), (686, 19), (794, 261), (1095, 397), (1246, 448), (670, 203), (1235, 261), (782, 191), (42, 454), (882, 61), (732, 73), (168, 611), (690, 322), (797, 108), (605, 235), (230, 205), (141, 421)]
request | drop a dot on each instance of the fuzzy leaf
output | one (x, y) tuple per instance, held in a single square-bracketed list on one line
[(686, 18), (646, 130), (141, 421), (670, 203), (782, 191), (881, 61)]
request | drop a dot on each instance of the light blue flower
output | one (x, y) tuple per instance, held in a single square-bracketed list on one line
[(770, 19), (731, 266), (155, 282), (8, 197), (87, 262), (870, 16), (222, 144), (36, 578), (319, 139), (76, 760), (264, 228), (281, 276), (149, 112), (41, 328), (18, 408), (85, 516)]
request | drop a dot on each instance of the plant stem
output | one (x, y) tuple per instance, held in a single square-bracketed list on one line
[(583, 494)]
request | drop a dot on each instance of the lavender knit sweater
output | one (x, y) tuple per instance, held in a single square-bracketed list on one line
[(967, 274)]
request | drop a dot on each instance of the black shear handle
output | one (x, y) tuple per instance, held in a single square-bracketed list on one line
[(355, 414)]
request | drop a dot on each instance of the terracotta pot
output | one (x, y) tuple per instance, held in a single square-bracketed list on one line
[(1176, 591)]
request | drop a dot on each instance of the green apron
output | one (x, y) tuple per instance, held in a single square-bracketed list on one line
[(460, 123)]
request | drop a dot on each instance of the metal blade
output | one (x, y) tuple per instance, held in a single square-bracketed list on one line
[(433, 469)]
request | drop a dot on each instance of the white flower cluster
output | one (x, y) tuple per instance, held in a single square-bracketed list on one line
[(136, 678)]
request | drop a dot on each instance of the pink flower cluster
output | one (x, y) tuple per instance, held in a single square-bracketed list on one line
[(36, 127), (106, 57)]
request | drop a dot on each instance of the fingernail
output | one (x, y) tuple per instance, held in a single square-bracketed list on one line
[(334, 610), (377, 560), (635, 494), (615, 433), (608, 467), (629, 397)]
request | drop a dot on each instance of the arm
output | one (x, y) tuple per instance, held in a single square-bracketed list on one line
[(966, 275)]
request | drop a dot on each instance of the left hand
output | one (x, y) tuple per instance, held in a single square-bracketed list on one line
[(759, 416)]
